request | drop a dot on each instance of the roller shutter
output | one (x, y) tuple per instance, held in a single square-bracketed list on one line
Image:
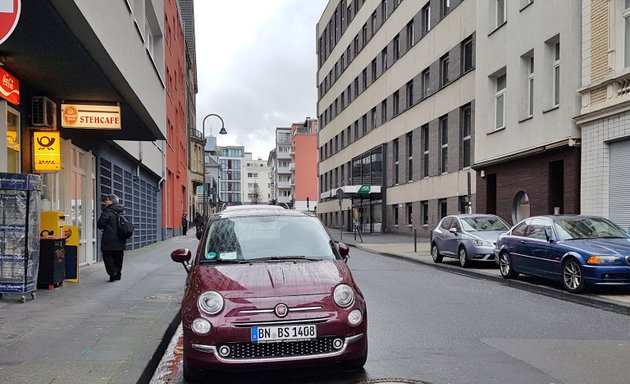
[(620, 183)]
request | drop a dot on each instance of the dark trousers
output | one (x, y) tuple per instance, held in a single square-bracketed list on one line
[(113, 262)]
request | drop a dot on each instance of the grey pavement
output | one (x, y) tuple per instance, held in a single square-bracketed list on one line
[(419, 250), (95, 331)]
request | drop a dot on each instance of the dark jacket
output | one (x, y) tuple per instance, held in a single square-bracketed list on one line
[(108, 223)]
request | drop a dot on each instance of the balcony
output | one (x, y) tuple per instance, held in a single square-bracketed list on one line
[(196, 135), (284, 185), (283, 170)]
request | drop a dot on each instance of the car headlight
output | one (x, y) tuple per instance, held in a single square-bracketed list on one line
[(482, 243), (210, 302), (343, 295), (603, 260), (355, 317), (201, 326)]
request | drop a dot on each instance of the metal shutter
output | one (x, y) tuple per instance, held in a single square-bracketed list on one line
[(620, 183)]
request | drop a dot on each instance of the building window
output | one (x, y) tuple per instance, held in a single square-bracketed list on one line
[(396, 101), (395, 209), (424, 211), (426, 19), (409, 140), (444, 70), (499, 102), (373, 118), (409, 94), (384, 9), (530, 86), (364, 36), (383, 111), (411, 39), (356, 130), (409, 214), (424, 136), (556, 74), (374, 70), (445, 8), (384, 59), (364, 78), (501, 13), (396, 47), (373, 21), (364, 125), (443, 208), (396, 162), (626, 23), (467, 55), (356, 86), (444, 144), (426, 83), (466, 121), (355, 45)]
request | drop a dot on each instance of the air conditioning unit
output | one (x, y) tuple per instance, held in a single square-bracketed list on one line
[(43, 112)]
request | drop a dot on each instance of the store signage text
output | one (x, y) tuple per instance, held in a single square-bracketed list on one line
[(85, 116), (46, 151), (9, 87)]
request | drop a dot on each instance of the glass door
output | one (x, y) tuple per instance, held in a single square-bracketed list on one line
[(10, 138)]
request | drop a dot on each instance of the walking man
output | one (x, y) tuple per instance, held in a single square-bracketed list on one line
[(184, 223), (112, 246)]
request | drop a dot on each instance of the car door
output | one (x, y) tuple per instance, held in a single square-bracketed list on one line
[(513, 244), (535, 249), (442, 236)]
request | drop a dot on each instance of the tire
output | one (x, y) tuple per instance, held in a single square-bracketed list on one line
[(435, 254), (463, 257), (356, 364), (505, 266), (572, 276), (191, 375)]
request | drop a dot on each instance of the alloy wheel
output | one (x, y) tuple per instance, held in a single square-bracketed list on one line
[(435, 254), (505, 266), (463, 258), (572, 276)]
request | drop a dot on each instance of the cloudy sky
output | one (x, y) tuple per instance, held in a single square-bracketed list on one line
[(256, 65)]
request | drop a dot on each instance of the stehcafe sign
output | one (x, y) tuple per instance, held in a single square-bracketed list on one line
[(46, 151), (89, 116), (9, 87)]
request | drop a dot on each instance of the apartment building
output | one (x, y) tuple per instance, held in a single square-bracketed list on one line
[(230, 177), (396, 108), (256, 174), (281, 163), (64, 62), (604, 117), (303, 166), (527, 146)]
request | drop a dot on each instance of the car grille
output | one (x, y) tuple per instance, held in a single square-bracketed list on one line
[(239, 351)]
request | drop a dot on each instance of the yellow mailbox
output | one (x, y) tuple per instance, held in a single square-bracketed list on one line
[(51, 224)]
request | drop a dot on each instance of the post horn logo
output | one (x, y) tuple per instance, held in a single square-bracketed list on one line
[(45, 142)]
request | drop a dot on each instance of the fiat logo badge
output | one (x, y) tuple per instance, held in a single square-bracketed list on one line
[(281, 310)]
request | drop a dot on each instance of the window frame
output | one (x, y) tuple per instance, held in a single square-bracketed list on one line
[(555, 83), (499, 94)]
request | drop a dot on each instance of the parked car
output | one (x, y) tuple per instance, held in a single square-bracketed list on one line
[(468, 237), (578, 250), (268, 288)]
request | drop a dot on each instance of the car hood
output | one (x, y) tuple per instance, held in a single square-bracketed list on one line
[(616, 247), (490, 236), (272, 279)]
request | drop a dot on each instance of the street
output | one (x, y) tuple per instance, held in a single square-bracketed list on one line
[(434, 325)]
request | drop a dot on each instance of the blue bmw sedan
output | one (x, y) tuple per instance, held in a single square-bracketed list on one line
[(578, 250)]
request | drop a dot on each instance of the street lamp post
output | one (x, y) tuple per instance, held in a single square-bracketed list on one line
[(205, 187)]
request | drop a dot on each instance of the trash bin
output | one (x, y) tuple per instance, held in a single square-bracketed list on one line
[(52, 262)]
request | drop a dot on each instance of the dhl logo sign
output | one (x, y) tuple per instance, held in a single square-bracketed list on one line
[(46, 151)]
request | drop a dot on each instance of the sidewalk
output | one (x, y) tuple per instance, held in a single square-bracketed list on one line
[(96, 331), (403, 246)]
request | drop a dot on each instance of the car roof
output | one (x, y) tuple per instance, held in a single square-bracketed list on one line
[(259, 211), (251, 206), (465, 215)]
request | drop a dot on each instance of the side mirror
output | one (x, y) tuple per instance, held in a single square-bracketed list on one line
[(549, 234), (344, 250), (453, 231), (182, 255)]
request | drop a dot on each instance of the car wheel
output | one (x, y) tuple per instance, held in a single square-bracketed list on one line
[(505, 266), (463, 257), (572, 276), (435, 254), (191, 375)]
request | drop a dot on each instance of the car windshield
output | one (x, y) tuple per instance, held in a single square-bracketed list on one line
[(587, 228), (269, 237), (484, 223)]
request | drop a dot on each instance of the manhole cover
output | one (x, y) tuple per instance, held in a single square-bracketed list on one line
[(393, 381)]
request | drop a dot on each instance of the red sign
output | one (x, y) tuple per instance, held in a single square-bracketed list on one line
[(9, 15), (9, 87)]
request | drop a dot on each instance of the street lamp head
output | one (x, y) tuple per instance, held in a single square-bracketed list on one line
[(223, 131)]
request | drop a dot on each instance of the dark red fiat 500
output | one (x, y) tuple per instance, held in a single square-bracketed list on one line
[(269, 289)]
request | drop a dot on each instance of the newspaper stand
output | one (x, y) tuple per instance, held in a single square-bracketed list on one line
[(19, 234)]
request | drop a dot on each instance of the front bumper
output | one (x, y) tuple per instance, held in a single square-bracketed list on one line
[(606, 275)]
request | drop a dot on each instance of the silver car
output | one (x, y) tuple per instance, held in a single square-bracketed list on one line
[(468, 237)]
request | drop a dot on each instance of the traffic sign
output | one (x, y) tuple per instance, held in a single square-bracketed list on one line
[(364, 190), (9, 16)]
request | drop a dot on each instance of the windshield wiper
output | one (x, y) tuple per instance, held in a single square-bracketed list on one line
[(225, 261), (284, 258)]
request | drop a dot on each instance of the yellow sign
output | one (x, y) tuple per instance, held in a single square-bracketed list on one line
[(46, 151), (85, 116)]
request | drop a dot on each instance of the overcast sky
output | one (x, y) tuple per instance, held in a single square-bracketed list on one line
[(256, 68)]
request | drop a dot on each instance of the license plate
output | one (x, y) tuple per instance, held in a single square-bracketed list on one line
[(284, 333)]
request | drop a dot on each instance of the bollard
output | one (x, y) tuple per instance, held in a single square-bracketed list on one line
[(415, 240)]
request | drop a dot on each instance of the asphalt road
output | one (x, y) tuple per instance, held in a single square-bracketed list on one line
[(437, 326)]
